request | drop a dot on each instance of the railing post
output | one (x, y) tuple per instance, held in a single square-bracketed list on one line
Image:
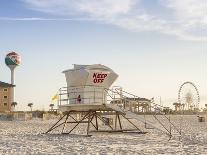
[(60, 96), (94, 95)]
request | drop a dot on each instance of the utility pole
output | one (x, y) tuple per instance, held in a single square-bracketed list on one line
[(160, 101)]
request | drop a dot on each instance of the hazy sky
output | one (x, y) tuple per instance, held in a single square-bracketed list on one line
[(154, 45)]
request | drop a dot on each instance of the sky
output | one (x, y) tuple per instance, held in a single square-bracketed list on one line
[(153, 45)]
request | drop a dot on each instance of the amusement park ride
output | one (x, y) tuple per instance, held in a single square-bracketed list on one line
[(88, 95), (188, 97)]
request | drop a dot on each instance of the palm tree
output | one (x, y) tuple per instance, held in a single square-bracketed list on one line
[(177, 106), (166, 110), (183, 106), (30, 105), (51, 106), (13, 104)]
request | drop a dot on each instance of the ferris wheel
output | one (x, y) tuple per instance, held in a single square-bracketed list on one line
[(188, 96)]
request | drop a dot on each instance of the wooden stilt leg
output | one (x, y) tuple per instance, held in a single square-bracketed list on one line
[(89, 117), (116, 121), (96, 121), (65, 122), (53, 127), (91, 120), (119, 122), (78, 123)]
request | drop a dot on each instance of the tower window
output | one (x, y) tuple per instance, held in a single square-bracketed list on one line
[(5, 104), (5, 89), (5, 97)]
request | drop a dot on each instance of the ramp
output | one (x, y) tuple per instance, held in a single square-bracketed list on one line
[(163, 123), (115, 108), (131, 115)]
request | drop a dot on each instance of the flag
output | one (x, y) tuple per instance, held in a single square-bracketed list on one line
[(55, 97)]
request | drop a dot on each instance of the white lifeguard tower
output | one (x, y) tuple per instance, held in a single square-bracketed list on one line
[(89, 96), (87, 86)]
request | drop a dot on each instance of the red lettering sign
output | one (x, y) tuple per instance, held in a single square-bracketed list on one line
[(99, 77)]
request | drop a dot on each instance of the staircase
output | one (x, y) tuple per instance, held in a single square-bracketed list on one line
[(158, 119)]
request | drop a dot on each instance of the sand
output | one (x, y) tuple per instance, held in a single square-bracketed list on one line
[(25, 137)]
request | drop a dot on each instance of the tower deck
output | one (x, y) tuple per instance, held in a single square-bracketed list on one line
[(90, 107)]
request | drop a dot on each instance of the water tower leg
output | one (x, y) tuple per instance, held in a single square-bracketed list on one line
[(12, 89), (12, 75)]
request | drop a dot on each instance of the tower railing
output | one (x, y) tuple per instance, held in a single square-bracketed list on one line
[(128, 102), (82, 95), (126, 99)]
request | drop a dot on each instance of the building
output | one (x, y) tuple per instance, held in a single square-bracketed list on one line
[(134, 104), (6, 96)]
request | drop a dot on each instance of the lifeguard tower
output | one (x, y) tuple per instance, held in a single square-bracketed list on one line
[(88, 95)]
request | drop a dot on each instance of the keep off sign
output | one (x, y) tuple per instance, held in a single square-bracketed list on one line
[(99, 77)]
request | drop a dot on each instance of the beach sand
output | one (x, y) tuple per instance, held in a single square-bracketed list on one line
[(25, 137)]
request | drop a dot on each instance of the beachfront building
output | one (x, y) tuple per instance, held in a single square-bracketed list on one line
[(134, 104), (6, 96)]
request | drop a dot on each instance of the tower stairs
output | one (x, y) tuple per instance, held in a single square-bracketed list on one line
[(156, 118)]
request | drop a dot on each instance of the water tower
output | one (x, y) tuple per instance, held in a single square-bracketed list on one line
[(12, 60)]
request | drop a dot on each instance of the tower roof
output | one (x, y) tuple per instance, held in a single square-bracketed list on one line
[(3, 84)]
